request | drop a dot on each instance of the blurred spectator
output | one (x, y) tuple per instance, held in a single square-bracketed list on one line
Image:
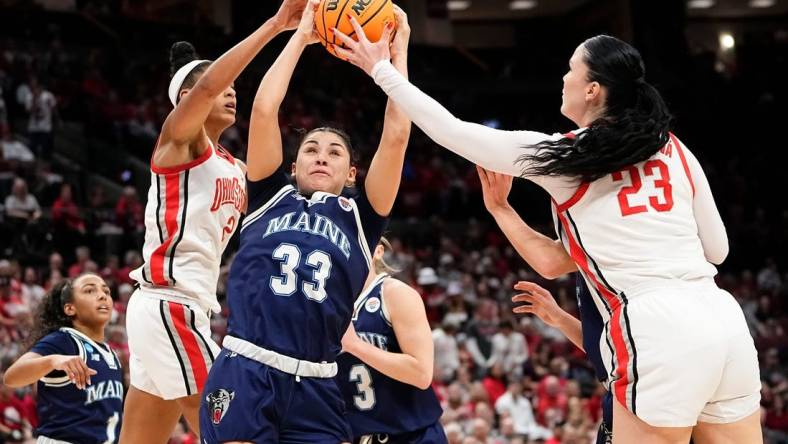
[(509, 349), (447, 359), (41, 104), (516, 406), (67, 221), (21, 206), (13, 150)]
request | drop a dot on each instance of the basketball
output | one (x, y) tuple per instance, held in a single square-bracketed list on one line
[(372, 15)]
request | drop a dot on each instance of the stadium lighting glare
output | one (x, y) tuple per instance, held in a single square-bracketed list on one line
[(700, 4), (522, 4), (727, 41), (761, 3), (458, 5)]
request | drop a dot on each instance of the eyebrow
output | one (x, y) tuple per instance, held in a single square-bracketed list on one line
[(331, 144)]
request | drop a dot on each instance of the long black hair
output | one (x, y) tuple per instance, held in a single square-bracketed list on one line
[(182, 53), (634, 124), (50, 316)]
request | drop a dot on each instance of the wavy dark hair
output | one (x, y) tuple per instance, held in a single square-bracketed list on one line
[(182, 53), (50, 316), (634, 124)]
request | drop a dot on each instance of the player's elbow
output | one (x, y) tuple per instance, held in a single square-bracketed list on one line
[(265, 109), (551, 269), (424, 379), (718, 256), (10, 379)]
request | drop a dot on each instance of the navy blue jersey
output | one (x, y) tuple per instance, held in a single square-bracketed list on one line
[(592, 325), (375, 402), (66, 413), (301, 263)]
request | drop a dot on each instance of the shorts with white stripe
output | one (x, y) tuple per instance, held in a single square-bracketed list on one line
[(170, 344)]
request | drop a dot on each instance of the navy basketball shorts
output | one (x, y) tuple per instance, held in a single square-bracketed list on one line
[(245, 400), (429, 435)]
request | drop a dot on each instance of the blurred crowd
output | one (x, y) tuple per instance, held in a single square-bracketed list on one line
[(501, 378)]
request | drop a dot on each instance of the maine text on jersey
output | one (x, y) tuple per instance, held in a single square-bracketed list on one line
[(377, 340), (104, 390), (322, 226)]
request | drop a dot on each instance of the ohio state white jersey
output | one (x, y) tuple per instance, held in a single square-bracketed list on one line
[(636, 229), (191, 214)]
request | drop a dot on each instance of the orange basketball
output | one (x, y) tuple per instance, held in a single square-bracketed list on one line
[(372, 15)]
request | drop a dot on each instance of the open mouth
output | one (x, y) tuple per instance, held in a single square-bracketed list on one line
[(104, 308), (230, 106)]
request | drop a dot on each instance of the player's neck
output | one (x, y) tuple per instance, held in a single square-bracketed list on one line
[(213, 134), (94, 333)]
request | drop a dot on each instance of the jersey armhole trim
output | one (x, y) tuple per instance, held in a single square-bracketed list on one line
[(684, 163), (206, 154), (258, 213), (579, 193)]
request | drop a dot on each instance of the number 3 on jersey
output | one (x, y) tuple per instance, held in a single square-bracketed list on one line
[(365, 399), (662, 181), (286, 284)]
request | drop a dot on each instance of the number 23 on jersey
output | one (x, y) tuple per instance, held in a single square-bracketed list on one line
[(654, 170)]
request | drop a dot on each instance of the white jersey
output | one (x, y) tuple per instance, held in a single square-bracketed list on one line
[(191, 214), (635, 229)]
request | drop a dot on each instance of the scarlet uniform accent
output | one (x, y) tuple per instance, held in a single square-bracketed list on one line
[(193, 351), (677, 144), (186, 227)]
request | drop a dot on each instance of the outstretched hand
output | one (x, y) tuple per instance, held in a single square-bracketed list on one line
[(495, 188), (539, 302), (306, 27), (289, 13), (363, 53)]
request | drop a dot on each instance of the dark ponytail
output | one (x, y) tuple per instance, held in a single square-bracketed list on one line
[(50, 316), (182, 53), (634, 126)]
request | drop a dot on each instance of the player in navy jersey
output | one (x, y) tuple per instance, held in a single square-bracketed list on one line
[(544, 256), (304, 256), (80, 382), (385, 370)]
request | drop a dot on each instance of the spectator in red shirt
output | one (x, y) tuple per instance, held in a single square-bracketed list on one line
[(130, 216), (69, 227), (79, 267), (553, 403), (494, 383)]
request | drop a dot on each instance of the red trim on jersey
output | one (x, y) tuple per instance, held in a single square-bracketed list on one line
[(684, 163), (193, 352), (579, 193), (206, 154), (619, 346), (172, 204)]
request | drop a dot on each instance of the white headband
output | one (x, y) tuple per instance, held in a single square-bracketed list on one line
[(179, 77)]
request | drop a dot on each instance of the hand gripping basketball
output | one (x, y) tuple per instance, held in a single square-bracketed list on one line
[(364, 53)]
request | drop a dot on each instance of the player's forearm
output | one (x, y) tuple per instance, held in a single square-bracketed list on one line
[(571, 327), (400, 366), (544, 255), (493, 149), (385, 170), (223, 72), (28, 370)]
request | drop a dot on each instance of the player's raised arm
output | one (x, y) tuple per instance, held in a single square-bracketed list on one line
[(546, 256), (494, 149), (385, 171), (265, 139), (185, 122)]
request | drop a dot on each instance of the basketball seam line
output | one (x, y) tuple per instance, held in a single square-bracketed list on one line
[(339, 17), (370, 18)]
